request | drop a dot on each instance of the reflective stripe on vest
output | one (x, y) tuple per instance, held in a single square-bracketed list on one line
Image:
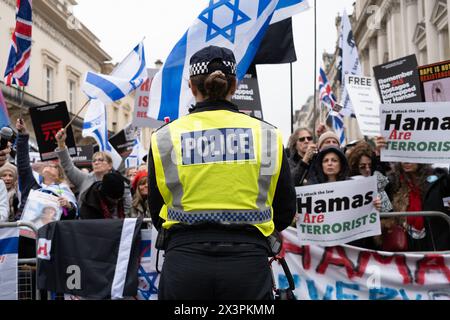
[(221, 216)]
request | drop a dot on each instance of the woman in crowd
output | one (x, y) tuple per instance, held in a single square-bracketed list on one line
[(140, 203), (8, 173), (414, 187), (330, 165), (52, 177), (362, 162), (301, 150), (4, 211), (101, 165)]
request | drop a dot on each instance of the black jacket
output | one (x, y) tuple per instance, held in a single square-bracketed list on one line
[(284, 203)]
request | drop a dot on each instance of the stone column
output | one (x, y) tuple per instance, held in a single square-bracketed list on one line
[(412, 18), (382, 43), (442, 41), (398, 31), (390, 35), (448, 17), (373, 56), (432, 33)]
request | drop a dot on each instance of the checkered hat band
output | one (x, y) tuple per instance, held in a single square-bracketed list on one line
[(224, 217), (201, 68)]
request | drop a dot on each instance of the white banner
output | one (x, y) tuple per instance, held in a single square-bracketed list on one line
[(9, 246), (366, 103), (142, 103), (416, 132), (349, 273), (336, 213)]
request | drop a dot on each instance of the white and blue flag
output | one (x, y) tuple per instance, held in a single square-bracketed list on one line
[(137, 155), (238, 25), (126, 77), (96, 126), (9, 252), (287, 8)]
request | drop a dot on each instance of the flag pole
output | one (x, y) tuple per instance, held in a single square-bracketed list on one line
[(22, 98), (76, 116), (315, 66), (292, 100)]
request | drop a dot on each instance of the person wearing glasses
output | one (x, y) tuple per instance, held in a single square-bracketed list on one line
[(302, 150), (101, 165)]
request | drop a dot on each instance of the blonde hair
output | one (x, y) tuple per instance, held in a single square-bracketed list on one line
[(103, 154)]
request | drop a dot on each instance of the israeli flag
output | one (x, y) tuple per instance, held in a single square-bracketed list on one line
[(126, 77), (135, 159), (239, 25), (9, 252), (96, 126), (287, 8)]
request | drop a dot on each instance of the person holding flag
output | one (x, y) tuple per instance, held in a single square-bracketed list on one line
[(219, 186)]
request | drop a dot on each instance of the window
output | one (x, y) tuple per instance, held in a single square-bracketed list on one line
[(49, 82), (72, 96)]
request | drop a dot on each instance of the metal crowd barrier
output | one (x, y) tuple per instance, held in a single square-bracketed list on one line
[(26, 267)]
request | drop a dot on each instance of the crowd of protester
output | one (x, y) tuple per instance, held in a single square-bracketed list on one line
[(104, 193)]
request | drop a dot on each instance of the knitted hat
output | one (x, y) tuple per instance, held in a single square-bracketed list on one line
[(137, 178), (9, 167), (113, 185), (327, 135)]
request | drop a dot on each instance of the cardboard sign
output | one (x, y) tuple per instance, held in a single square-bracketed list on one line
[(142, 103), (416, 132), (336, 213), (398, 81), (47, 121), (366, 103), (435, 80), (123, 141), (84, 156), (247, 96)]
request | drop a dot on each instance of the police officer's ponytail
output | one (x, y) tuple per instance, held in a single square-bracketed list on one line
[(215, 86)]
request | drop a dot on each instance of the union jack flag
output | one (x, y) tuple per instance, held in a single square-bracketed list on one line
[(18, 67), (328, 98)]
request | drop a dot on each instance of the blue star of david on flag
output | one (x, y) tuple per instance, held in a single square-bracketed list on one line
[(228, 31), (149, 278)]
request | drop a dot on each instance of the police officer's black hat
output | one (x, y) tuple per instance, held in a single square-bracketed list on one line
[(200, 63)]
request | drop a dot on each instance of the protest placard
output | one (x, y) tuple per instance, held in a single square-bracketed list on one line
[(41, 208), (398, 81), (47, 121), (247, 96), (336, 213), (435, 80), (416, 132), (123, 141), (142, 103), (84, 156), (366, 103)]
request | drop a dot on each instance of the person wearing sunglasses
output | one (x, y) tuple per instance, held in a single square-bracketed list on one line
[(302, 150)]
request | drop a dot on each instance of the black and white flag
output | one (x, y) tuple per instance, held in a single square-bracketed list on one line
[(94, 259)]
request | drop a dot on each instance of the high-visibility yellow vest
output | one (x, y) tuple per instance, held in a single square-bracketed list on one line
[(218, 166)]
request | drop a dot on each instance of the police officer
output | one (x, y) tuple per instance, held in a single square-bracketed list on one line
[(220, 185)]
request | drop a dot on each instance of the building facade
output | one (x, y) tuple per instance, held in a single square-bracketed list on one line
[(63, 50), (386, 30)]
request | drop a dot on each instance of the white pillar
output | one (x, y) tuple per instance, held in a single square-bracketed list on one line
[(382, 43), (390, 35), (432, 33), (373, 56), (412, 18), (448, 17), (443, 44), (398, 31)]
